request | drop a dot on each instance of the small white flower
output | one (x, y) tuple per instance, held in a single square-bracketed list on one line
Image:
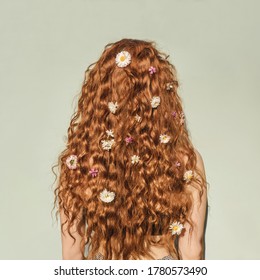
[(107, 196), (176, 228), (112, 107), (169, 86), (188, 175), (71, 162), (123, 59), (155, 101), (135, 159), (137, 118), (110, 133), (107, 144), (164, 138)]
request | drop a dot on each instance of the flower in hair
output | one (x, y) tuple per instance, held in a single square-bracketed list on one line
[(93, 172), (188, 175), (137, 118), (71, 162), (110, 133), (164, 138), (112, 107), (176, 228), (178, 164), (135, 159), (174, 114), (107, 144), (129, 139), (152, 70), (123, 59), (182, 118), (107, 196), (155, 101), (169, 86)]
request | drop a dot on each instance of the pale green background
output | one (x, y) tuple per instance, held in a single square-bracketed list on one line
[(45, 48)]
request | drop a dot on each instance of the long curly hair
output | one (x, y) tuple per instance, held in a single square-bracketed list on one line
[(149, 194)]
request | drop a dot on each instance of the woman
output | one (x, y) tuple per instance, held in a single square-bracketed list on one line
[(131, 184)]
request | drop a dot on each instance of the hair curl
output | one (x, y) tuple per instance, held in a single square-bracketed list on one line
[(149, 195)]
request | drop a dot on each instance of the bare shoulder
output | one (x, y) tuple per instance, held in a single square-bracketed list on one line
[(200, 162)]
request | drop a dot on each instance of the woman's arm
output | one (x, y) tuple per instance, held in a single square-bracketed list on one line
[(70, 250), (191, 246)]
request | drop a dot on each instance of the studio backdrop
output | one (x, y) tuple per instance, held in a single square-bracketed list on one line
[(45, 48)]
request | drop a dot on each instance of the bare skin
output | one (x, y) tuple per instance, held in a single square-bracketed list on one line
[(191, 247)]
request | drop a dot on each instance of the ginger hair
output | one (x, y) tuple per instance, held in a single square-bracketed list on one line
[(151, 194)]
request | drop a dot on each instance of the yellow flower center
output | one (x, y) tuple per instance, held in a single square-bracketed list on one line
[(122, 58), (175, 228)]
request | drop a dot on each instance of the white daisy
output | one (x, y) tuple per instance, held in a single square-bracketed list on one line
[(123, 59), (110, 133), (107, 144), (169, 86), (107, 196), (164, 138), (176, 228), (71, 162), (112, 107), (155, 101), (188, 175), (137, 118), (135, 159)]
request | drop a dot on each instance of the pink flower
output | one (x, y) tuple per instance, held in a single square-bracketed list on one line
[(174, 114), (129, 139), (178, 164), (93, 172), (152, 70)]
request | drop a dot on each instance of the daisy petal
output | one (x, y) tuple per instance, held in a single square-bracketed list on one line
[(107, 196), (123, 59), (188, 175), (135, 159), (112, 107), (176, 228), (155, 101), (71, 162), (164, 138)]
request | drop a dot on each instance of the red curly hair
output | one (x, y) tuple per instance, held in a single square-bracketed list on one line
[(150, 194)]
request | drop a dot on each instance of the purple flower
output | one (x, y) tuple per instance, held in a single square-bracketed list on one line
[(152, 70), (174, 114), (93, 172), (129, 139)]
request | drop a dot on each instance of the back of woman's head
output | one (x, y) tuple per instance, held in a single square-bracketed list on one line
[(122, 175)]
